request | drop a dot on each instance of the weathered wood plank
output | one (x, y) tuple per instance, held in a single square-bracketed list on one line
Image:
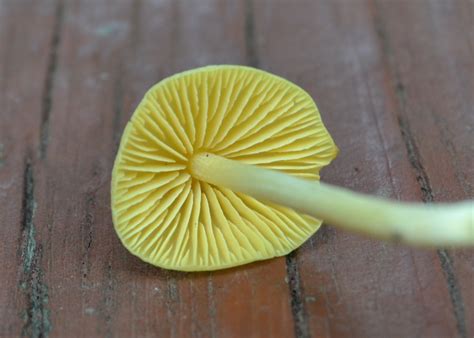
[(431, 61), (351, 286), (108, 57), (73, 179), (23, 96)]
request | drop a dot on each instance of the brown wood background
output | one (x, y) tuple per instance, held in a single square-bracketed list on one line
[(394, 81)]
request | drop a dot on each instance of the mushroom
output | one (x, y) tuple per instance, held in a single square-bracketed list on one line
[(219, 166)]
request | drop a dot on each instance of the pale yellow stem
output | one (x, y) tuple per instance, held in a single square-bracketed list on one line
[(438, 225)]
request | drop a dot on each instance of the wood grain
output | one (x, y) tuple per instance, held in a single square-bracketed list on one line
[(393, 82)]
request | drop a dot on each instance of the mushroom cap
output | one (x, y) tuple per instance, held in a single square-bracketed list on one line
[(170, 219)]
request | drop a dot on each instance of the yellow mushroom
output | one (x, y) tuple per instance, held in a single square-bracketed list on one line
[(219, 166)]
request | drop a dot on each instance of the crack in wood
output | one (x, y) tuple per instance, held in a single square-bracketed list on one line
[(46, 101), (87, 231), (414, 159), (2, 155), (37, 316), (454, 291), (118, 107), (296, 293), (445, 260), (119, 82), (250, 41), (135, 23)]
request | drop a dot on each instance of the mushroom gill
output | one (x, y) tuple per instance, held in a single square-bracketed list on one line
[(172, 219)]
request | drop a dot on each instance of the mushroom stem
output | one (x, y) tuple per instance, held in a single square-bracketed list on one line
[(438, 225)]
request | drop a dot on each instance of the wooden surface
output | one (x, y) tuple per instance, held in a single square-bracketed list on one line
[(394, 81)]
